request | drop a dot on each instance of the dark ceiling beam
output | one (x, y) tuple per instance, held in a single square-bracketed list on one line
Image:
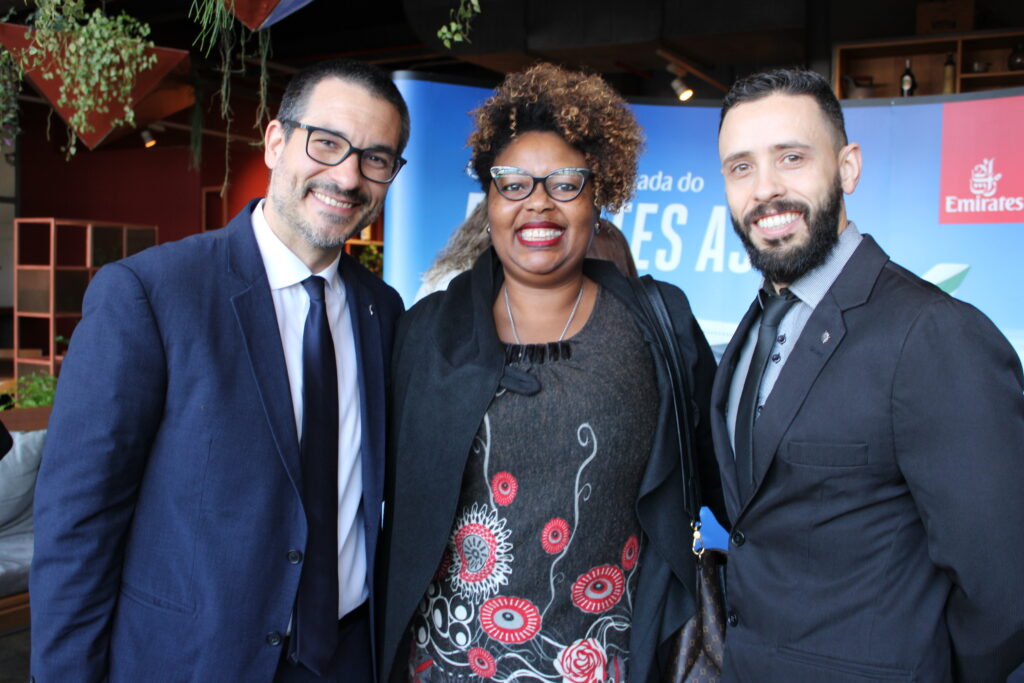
[(688, 67)]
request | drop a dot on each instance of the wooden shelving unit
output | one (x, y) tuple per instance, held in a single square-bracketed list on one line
[(884, 61), (54, 260)]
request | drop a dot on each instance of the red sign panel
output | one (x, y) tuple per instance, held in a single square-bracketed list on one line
[(982, 162)]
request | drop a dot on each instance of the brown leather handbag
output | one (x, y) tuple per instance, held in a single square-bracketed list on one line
[(699, 646)]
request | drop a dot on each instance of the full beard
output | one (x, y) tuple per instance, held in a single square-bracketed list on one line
[(779, 264), (325, 237)]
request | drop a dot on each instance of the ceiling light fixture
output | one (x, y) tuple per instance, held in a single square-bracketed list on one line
[(683, 91), (147, 138), (679, 66)]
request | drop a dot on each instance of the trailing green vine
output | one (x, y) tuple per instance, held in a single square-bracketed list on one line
[(11, 74), (10, 88), (459, 24), (217, 28), (215, 18), (263, 115), (97, 59)]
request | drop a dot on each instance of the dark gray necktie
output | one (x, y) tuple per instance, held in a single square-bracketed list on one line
[(775, 307), (315, 632)]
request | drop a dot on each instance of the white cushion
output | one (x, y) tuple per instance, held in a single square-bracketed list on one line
[(18, 481)]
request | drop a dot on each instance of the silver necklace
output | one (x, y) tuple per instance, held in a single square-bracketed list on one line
[(572, 314)]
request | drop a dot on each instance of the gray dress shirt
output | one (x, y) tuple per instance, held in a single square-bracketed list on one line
[(809, 289)]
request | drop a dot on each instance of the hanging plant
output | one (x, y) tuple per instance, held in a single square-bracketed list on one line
[(460, 21), (10, 88), (97, 59), (11, 74), (215, 19), (218, 28)]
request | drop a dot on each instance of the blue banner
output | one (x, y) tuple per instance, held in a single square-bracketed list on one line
[(678, 223)]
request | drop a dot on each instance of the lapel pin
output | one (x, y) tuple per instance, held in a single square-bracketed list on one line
[(370, 306), (825, 336)]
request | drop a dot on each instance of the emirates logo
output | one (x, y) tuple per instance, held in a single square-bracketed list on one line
[(984, 184), (981, 179), (984, 179)]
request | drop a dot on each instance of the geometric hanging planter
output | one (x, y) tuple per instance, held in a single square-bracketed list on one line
[(159, 91), (259, 14)]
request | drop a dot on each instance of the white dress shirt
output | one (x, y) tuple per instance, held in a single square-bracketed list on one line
[(286, 271), (810, 288)]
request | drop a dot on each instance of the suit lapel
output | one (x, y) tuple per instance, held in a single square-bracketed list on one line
[(370, 367), (719, 398), (261, 338), (821, 337)]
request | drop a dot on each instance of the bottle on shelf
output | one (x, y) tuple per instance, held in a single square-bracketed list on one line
[(1016, 61), (908, 84), (949, 75)]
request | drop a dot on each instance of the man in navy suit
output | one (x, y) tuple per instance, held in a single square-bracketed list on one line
[(175, 520), (869, 429)]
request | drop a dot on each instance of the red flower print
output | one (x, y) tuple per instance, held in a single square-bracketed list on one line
[(476, 546), (630, 552), (480, 553), (555, 536), (582, 662), (419, 670), (599, 589), (504, 487), (482, 663), (510, 620)]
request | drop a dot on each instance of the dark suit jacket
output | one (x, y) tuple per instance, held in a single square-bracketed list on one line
[(5, 441), (884, 538), (448, 364), (168, 496)]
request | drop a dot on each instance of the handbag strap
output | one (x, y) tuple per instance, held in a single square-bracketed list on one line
[(653, 305)]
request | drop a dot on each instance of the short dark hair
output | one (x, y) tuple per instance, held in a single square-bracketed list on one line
[(788, 82), (375, 80)]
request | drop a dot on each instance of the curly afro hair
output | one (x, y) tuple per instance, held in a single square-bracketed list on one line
[(584, 110)]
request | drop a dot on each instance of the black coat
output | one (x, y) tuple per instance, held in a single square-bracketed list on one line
[(447, 366)]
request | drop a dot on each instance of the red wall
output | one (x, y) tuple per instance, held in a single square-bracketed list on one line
[(132, 185), (249, 175)]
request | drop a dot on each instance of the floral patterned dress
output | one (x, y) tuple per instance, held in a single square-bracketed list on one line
[(538, 577)]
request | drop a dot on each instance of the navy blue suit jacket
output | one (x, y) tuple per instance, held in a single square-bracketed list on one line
[(883, 538), (168, 496)]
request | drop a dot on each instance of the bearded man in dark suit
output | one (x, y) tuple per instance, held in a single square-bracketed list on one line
[(869, 429)]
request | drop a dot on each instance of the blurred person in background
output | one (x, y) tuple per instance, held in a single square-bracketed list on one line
[(610, 244), (464, 246)]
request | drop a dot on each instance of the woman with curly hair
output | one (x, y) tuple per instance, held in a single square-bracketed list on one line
[(536, 527)]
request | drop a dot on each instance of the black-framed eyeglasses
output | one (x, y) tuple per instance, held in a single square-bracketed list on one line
[(330, 149), (562, 185)]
